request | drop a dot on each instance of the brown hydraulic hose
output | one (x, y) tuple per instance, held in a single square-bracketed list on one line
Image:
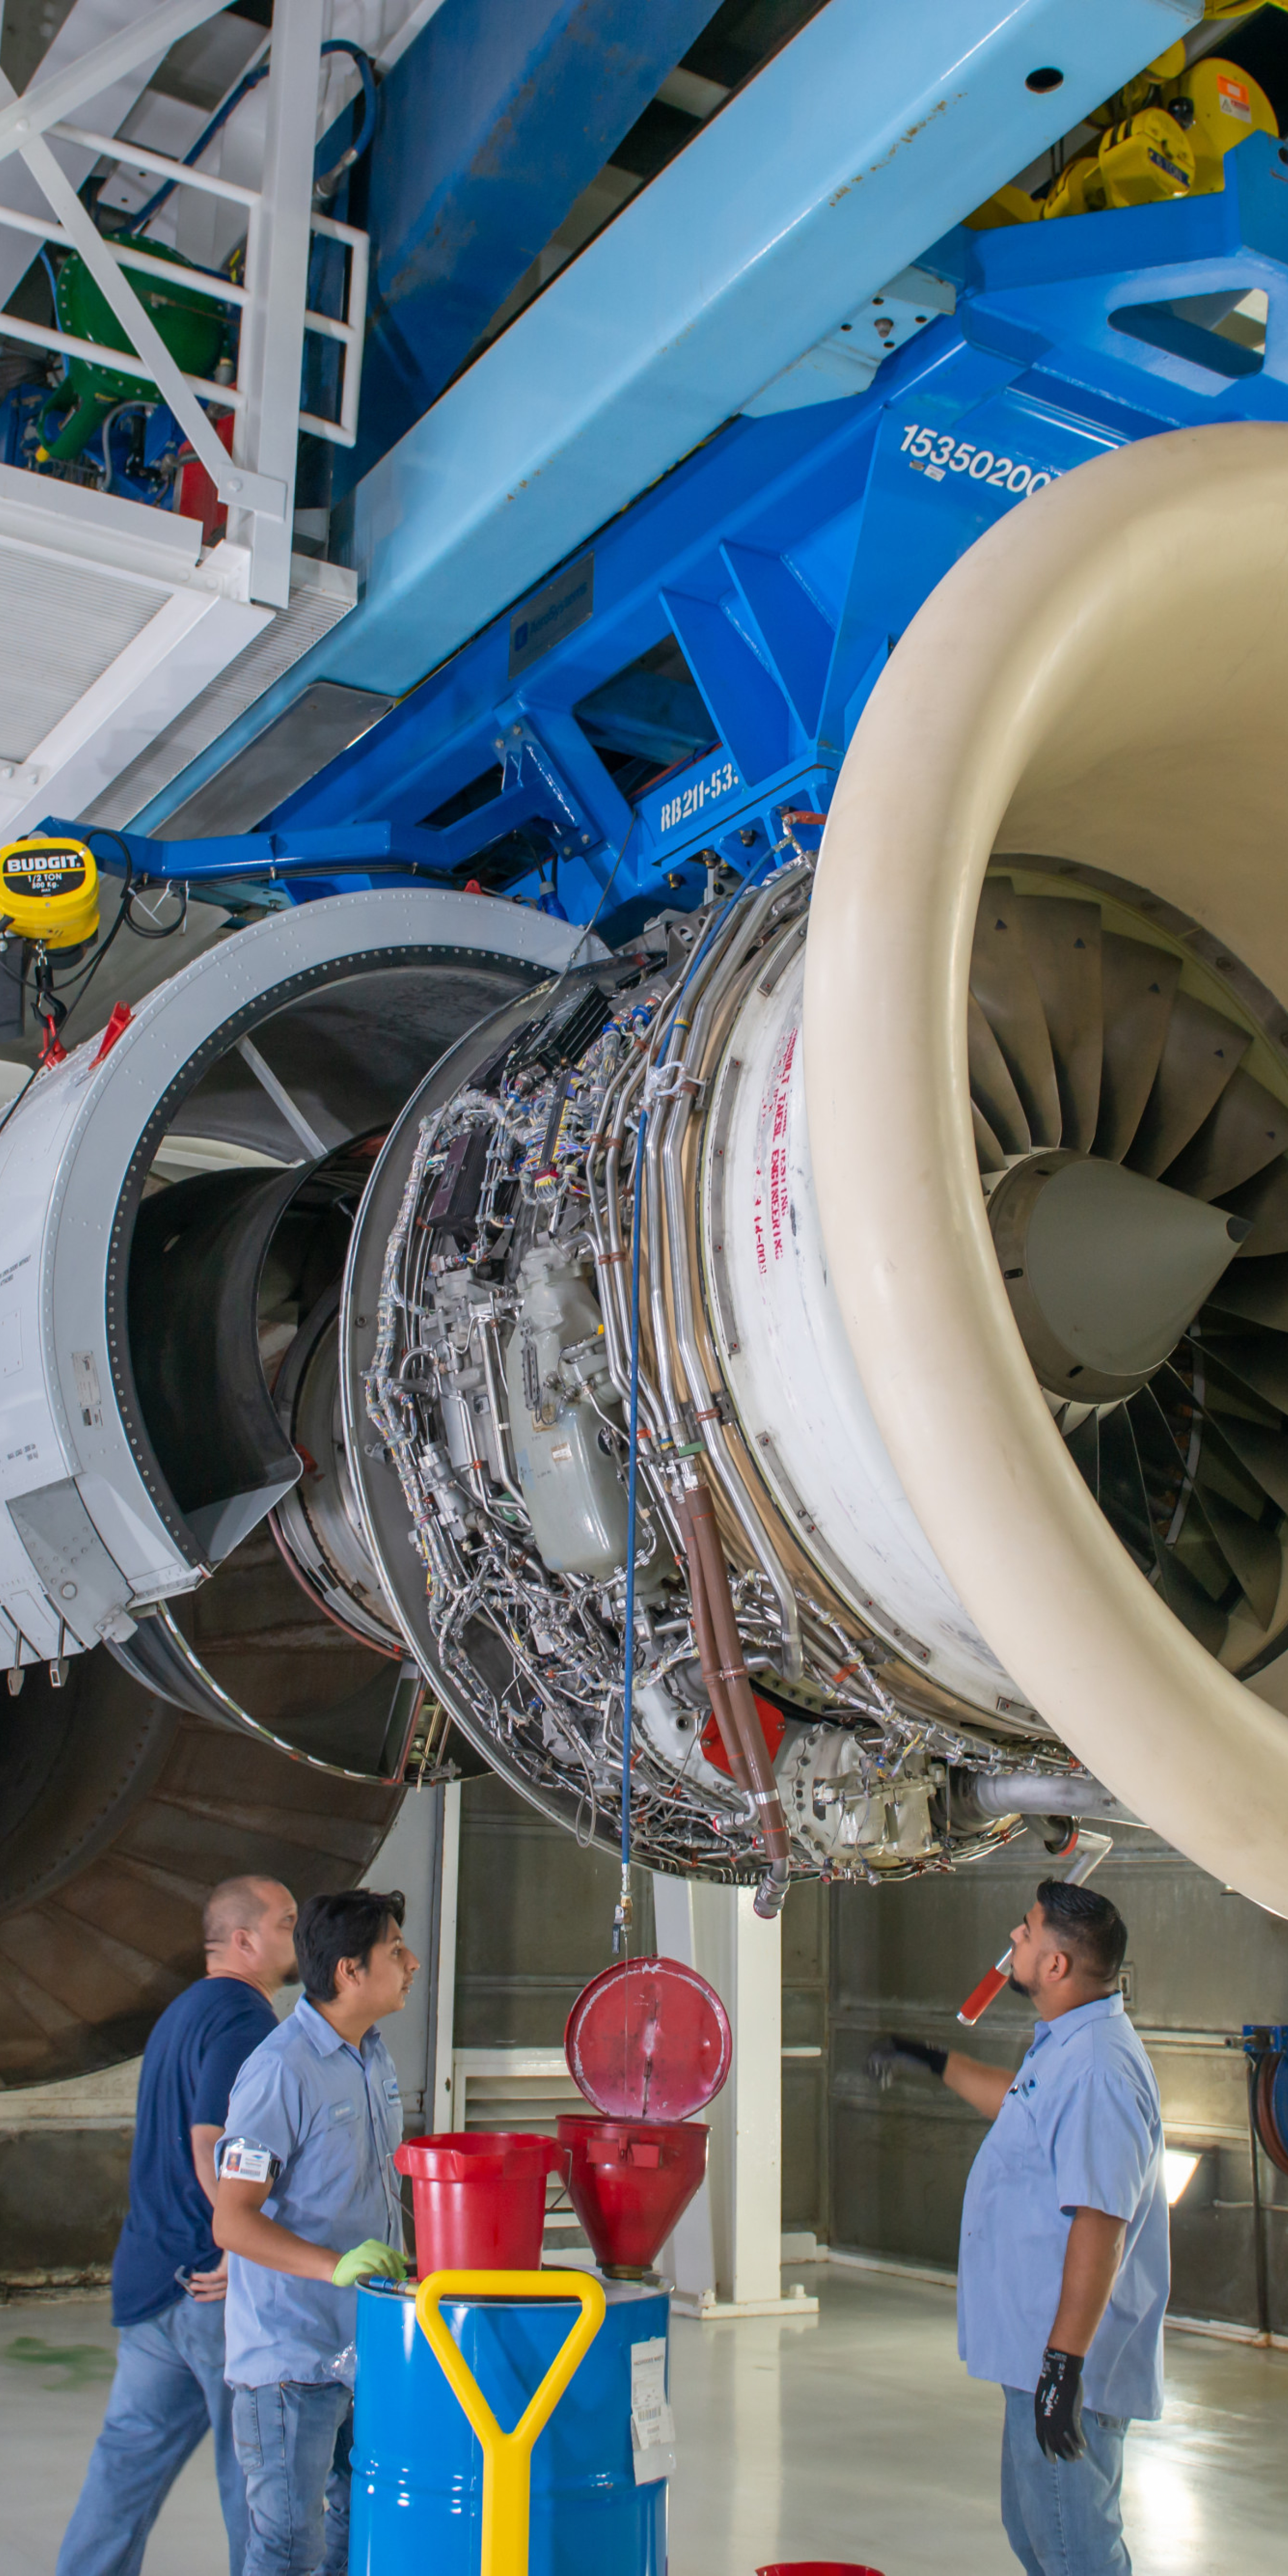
[(708, 1654), (731, 1671)]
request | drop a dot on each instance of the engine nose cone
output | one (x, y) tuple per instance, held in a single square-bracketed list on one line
[(1104, 1269)]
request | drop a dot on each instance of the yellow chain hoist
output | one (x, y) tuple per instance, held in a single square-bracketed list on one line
[(1166, 134), (48, 892), (49, 898)]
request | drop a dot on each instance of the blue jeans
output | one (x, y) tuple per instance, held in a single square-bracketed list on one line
[(293, 2440), (1063, 2517), (169, 2387)]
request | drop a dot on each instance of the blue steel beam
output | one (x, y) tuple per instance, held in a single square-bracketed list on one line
[(489, 127), (868, 135), (787, 556)]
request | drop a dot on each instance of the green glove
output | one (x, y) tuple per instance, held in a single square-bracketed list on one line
[(368, 2259)]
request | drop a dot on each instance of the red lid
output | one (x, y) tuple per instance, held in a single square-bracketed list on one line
[(648, 2040)]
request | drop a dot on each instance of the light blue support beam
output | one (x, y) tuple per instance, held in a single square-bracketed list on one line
[(872, 133)]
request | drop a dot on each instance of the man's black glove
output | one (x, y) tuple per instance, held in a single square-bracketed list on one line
[(891, 2053), (1057, 2405)]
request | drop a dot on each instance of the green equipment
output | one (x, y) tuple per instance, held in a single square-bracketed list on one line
[(191, 324)]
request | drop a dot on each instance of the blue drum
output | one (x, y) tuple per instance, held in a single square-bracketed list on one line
[(418, 2470)]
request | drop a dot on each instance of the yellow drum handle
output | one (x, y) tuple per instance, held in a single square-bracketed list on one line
[(507, 2457)]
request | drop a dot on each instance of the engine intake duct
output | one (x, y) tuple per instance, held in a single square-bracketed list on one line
[(196, 1269)]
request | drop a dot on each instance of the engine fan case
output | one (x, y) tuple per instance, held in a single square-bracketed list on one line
[(1102, 678), (790, 1370)]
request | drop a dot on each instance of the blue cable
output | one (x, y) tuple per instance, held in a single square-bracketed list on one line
[(335, 45), (632, 1494)]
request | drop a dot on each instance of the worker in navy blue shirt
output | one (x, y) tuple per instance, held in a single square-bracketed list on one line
[(168, 2279), (1063, 2273)]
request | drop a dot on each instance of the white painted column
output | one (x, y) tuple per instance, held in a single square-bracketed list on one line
[(419, 1855), (441, 2110), (726, 2254)]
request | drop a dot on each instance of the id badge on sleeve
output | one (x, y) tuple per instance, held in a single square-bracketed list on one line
[(243, 2161)]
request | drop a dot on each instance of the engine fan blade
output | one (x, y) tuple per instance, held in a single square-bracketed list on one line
[(1001, 980), (990, 1152), (1083, 1445), (1122, 1492), (1255, 1289), (1220, 1471), (1247, 1129), (1062, 945), (1253, 1553), (1191, 1604), (1138, 986), (1255, 1360), (1265, 1201), (1196, 1549), (1202, 1050), (1263, 1453), (993, 1094)]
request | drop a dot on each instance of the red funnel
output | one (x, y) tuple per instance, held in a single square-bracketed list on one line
[(629, 2181)]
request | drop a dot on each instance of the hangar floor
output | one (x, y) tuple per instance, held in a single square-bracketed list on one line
[(856, 2435)]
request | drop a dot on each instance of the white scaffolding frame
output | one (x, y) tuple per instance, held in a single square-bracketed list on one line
[(257, 480)]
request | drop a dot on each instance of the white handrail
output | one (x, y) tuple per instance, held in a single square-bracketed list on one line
[(261, 504), (132, 156)]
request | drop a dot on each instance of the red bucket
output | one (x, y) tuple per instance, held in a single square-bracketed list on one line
[(629, 2181), (478, 2198)]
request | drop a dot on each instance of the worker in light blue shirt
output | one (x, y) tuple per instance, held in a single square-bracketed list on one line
[(305, 2172), (1063, 2272)]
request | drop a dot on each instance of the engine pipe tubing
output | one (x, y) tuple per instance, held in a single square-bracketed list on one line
[(616, 1256), (732, 1672), (622, 1918), (668, 1028), (488, 1344), (1042, 1793), (708, 1656)]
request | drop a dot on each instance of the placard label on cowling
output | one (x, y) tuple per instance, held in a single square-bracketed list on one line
[(551, 614)]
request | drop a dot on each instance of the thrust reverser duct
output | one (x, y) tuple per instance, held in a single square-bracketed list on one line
[(196, 1684), (1101, 681)]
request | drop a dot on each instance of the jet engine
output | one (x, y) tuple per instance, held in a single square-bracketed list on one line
[(853, 1311)]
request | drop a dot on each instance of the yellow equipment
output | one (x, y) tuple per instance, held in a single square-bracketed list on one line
[(507, 2457), (49, 892), (1228, 104), (1166, 134), (1139, 160)]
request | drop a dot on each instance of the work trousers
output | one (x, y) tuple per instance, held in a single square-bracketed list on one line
[(168, 2389), (1063, 2517), (293, 2440)]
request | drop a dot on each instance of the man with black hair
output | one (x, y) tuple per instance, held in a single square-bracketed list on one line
[(1063, 2271), (168, 2281), (305, 2173)]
